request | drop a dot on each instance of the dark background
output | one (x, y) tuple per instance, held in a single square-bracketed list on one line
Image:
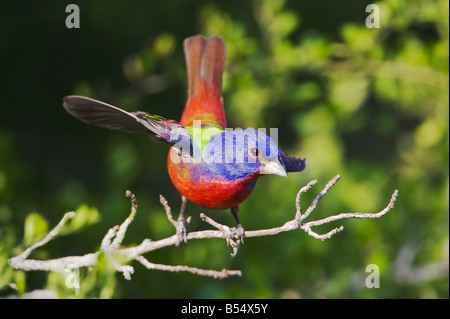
[(369, 104)]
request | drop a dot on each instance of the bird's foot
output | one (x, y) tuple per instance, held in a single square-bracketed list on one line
[(181, 227), (235, 236), (237, 233), (180, 224)]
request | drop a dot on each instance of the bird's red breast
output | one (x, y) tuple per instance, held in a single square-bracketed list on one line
[(208, 191)]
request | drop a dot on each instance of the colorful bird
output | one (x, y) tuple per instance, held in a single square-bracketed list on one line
[(209, 165)]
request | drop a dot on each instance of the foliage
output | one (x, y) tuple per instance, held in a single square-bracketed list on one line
[(369, 104)]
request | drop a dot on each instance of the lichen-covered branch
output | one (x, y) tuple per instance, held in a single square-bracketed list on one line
[(118, 256)]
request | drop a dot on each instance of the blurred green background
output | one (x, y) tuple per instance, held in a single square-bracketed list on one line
[(369, 104)]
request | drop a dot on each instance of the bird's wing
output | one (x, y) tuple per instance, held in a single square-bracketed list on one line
[(104, 115), (205, 59), (293, 163)]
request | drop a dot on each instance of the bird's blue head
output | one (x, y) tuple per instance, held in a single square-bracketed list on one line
[(242, 153)]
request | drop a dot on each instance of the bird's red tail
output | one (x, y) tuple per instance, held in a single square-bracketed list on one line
[(205, 59)]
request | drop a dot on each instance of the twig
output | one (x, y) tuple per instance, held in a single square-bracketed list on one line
[(321, 194), (307, 226), (298, 214), (224, 273), (120, 234), (52, 234), (168, 210), (118, 256), (57, 265)]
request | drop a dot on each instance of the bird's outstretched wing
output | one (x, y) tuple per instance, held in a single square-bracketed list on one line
[(104, 115), (205, 59)]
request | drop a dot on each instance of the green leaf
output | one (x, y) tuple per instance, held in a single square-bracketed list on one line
[(35, 226), (20, 281), (84, 216)]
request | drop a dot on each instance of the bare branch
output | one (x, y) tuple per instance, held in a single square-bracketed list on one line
[(52, 234), (180, 224), (111, 242), (120, 235), (168, 210), (224, 273), (21, 261), (388, 208), (299, 197), (321, 194)]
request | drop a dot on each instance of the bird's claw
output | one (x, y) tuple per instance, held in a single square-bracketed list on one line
[(181, 227), (238, 233), (234, 237)]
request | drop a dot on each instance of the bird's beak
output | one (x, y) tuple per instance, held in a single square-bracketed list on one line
[(275, 167)]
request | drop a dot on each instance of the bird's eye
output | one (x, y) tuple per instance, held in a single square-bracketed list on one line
[(254, 152)]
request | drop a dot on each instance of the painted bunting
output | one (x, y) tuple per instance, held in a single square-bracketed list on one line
[(211, 166)]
